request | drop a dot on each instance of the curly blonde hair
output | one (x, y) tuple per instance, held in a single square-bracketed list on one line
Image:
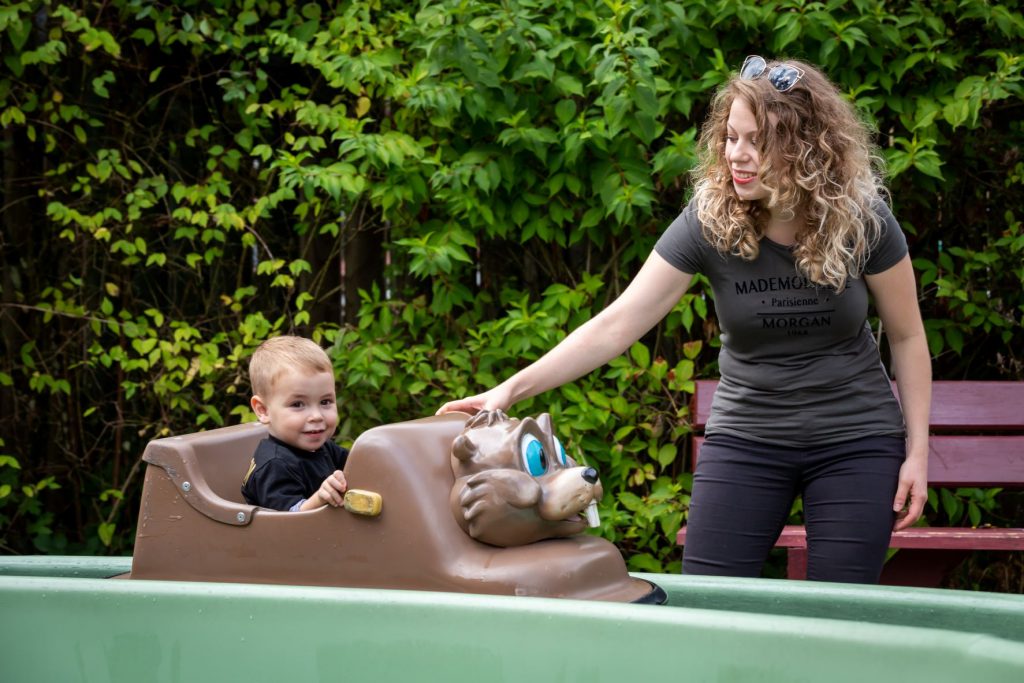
[(816, 160)]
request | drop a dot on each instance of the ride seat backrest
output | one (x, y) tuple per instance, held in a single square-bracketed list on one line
[(225, 464), (222, 456)]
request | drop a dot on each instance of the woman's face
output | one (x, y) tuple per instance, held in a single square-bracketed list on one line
[(741, 152)]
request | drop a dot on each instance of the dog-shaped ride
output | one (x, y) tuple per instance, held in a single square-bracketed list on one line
[(458, 514)]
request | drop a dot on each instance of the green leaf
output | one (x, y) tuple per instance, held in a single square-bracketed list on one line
[(144, 35), (955, 339), (143, 346), (568, 85), (99, 84), (17, 31), (622, 432), (106, 533), (565, 110), (974, 514), (640, 355), (951, 505), (630, 501), (645, 562), (667, 455)]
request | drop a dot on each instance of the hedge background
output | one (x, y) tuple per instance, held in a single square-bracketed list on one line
[(437, 191)]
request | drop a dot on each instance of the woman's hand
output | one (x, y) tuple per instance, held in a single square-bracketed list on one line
[(496, 398), (913, 484)]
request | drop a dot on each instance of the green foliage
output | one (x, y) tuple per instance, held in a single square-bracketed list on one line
[(20, 501), (980, 289), (964, 506), (183, 180)]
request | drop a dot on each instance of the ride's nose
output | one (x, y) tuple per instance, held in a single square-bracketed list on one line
[(589, 475)]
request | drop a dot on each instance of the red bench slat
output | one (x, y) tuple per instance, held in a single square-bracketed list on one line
[(965, 460), (951, 538), (941, 538), (976, 461), (981, 406)]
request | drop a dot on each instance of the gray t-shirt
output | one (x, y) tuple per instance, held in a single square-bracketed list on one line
[(799, 364)]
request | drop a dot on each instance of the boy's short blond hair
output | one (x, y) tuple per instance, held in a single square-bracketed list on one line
[(281, 354)]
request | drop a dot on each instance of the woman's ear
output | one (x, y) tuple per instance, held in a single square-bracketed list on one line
[(260, 408)]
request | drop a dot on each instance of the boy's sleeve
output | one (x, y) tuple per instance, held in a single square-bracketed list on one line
[(338, 455), (272, 485)]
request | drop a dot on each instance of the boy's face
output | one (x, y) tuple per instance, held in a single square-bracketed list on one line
[(300, 409)]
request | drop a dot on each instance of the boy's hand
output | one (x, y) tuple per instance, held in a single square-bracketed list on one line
[(332, 491)]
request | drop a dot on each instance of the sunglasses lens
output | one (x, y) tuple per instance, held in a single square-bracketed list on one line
[(783, 77), (753, 66)]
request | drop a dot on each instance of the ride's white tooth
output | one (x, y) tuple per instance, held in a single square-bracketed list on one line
[(593, 518)]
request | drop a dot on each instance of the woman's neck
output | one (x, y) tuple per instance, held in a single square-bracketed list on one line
[(783, 226)]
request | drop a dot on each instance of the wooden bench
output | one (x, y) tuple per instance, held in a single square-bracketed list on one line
[(977, 441)]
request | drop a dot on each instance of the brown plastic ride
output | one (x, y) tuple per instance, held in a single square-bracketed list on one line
[(195, 526)]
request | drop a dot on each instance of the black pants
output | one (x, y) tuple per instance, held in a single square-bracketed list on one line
[(743, 491)]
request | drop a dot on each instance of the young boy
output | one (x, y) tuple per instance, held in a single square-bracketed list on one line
[(297, 467)]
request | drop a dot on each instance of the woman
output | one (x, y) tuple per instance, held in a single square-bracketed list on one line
[(789, 224)]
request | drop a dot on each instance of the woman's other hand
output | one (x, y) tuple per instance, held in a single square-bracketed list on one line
[(912, 492)]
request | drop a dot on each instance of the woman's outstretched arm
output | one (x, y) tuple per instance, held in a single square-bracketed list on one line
[(648, 299)]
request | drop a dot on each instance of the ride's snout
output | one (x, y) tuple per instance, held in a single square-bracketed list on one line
[(516, 484)]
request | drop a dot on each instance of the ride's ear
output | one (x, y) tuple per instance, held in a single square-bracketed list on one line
[(463, 448), (481, 419), (260, 408), (487, 418)]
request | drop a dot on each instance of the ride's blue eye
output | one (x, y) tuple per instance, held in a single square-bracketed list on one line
[(562, 457), (535, 460)]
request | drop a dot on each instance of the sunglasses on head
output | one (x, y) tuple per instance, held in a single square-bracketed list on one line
[(782, 77)]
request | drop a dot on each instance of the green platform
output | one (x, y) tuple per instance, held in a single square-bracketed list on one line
[(61, 623)]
